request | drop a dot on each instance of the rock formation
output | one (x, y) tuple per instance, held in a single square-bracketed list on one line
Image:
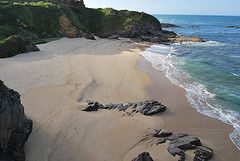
[(145, 156), (181, 142), (149, 107), (16, 44), (15, 127), (167, 25)]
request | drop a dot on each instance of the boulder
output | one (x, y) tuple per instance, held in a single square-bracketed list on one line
[(203, 154), (182, 142), (151, 107), (15, 127), (16, 44), (145, 156)]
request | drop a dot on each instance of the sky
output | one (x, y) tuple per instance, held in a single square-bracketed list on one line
[(185, 7)]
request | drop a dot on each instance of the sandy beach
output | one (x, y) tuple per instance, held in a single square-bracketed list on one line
[(55, 83)]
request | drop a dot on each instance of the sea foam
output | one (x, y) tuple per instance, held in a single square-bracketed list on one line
[(167, 58)]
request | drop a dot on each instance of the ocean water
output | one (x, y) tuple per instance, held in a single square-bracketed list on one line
[(208, 71)]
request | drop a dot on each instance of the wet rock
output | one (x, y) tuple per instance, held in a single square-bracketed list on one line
[(145, 156), (151, 107), (203, 154), (183, 39), (15, 127), (233, 26), (161, 141), (182, 142)]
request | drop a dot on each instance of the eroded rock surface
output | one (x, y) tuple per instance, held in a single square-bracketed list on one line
[(145, 156), (149, 107), (15, 127)]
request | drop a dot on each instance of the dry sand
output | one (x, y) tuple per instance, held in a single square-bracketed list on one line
[(55, 82)]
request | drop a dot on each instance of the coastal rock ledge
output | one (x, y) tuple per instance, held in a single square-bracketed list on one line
[(15, 127)]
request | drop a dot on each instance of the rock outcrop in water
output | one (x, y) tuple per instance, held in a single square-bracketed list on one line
[(15, 127), (149, 107)]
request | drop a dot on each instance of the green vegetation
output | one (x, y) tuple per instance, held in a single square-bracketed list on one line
[(40, 21), (13, 45)]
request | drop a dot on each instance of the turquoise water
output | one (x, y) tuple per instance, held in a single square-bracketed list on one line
[(208, 71)]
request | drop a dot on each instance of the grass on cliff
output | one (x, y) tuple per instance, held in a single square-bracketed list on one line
[(39, 18)]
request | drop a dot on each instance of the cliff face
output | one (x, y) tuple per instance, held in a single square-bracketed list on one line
[(15, 127), (70, 18)]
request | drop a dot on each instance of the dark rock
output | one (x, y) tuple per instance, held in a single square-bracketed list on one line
[(113, 37), (203, 154), (193, 26), (15, 126), (16, 44), (164, 134), (167, 25), (176, 136), (156, 132), (90, 37), (161, 141), (182, 142), (145, 156), (176, 151), (233, 26), (151, 107), (182, 158), (93, 106)]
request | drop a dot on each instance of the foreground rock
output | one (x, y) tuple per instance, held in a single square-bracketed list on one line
[(181, 142), (15, 127), (145, 156), (16, 44), (149, 107)]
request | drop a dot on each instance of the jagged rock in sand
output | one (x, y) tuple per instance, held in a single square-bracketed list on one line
[(203, 154), (149, 107), (145, 156), (178, 144), (167, 25), (161, 141), (160, 133), (15, 127)]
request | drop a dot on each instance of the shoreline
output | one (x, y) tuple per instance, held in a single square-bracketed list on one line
[(187, 117), (116, 75)]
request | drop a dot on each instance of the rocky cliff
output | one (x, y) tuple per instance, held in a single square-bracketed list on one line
[(15, 127)]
